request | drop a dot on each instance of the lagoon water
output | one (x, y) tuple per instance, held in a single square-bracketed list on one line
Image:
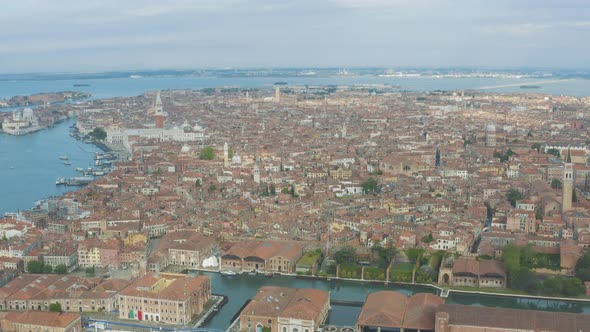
[(114, 87), (29, 165)]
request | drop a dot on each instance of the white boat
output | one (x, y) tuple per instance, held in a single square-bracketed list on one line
[(63, 158), (228, 273)]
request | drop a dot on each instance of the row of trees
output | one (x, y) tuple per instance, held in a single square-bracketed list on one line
[(39, 267)]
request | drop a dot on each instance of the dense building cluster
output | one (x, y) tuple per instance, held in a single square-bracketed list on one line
[(262, 179)]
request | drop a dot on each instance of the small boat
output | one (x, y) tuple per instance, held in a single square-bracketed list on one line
[(63, 158), (252, 273), (11, 167), (66, 163), (270, 275), (79, 169), (60, 181), (228, 273)]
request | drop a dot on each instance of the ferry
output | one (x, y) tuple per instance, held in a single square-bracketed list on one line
[(63, 158), (228, 273)]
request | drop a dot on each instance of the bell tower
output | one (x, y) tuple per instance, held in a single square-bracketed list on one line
[(568, 183)]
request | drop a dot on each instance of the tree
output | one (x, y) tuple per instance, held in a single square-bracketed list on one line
[(511, 257), (583, 266), (90, 271), (514, 195), (563, 286), (384, 255), (574, 196), (98, 133), (273, 190), (427, 238), (536, 146), (522, 278), (198, 183), (207, 153), (346, 255), (504, 157), (554, 152), (414, 254), (47, 269), (230, 153), (285, 190), (35, 267), (212, 188), (370, 186), (55, 307), (61, 269), (556, 184)]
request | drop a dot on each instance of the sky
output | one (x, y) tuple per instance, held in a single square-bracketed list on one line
[(99, 35)]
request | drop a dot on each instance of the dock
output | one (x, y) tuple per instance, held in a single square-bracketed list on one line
[(219, 302)]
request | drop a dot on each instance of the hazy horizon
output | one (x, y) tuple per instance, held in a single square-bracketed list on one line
[(96, 36)]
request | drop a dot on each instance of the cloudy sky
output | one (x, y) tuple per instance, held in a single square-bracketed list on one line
[(94, 35)]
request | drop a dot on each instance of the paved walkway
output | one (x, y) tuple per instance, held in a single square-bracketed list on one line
[(209, 311)]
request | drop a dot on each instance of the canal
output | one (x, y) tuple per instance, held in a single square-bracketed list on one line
[(243, 287)]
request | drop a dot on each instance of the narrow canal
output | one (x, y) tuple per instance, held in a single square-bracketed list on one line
[(243, 287)]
